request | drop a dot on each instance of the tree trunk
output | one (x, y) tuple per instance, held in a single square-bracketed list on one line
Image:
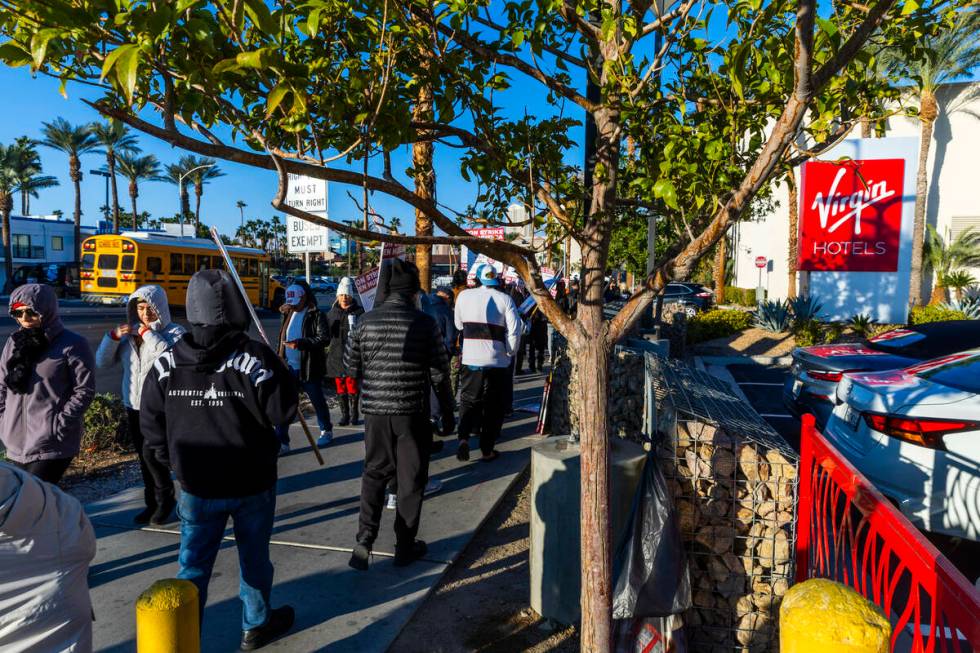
[(865, 127), (6, 206), (133, 194), (794, 233), (75, 172), (928, 111), (198, 191), (720, 256), (111, 164), (425, 179), (185, 204), (938, 295), (24, 203)]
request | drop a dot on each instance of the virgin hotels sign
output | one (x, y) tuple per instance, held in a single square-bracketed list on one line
[(851, 215)]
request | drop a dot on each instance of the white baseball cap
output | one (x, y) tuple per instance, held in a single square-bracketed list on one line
[(487, 275), (294, 295)]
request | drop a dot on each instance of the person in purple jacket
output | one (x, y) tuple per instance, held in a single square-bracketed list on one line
[(46, 385)]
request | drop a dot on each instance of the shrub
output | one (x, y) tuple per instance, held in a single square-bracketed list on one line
[(862, 324), (807, 333), (833, 333), (105, 426), (934, 313), (969, 306), (740, 296), (805, 309), (773, 316), (717, 323)]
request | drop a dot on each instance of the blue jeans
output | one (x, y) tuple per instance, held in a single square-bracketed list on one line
[(202, 525), (313, 390)]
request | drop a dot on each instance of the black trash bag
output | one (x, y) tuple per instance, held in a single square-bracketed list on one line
[(650, 567)]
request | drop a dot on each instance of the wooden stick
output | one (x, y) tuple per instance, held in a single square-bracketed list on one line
[(258, 325)]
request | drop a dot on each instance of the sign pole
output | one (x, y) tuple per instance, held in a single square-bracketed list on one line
[(306, 262), (258, 325)]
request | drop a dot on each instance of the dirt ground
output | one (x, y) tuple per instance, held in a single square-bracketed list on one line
[(482, 602), (750, 342), (95, 478)]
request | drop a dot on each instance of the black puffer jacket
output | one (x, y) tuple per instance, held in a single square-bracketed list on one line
[(397, 351), (338, 327)]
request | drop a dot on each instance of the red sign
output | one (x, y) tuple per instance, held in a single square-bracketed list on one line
[(851, 215), (493, 233), (761, 261)]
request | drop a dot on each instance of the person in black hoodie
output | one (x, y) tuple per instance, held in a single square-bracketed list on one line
[(303, 339), (341, 319), (209, 411), (397, 352)]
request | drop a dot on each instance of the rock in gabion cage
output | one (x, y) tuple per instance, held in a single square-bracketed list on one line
[(734, 483)]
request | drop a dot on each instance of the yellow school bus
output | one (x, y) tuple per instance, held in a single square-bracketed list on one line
[(113, 266)]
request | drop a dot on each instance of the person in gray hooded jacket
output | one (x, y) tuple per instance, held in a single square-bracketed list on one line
[(46, 385), (147, 333)]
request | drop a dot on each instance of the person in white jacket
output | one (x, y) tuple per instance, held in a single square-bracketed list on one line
[(491, 328), (46, 545), (147, 333)]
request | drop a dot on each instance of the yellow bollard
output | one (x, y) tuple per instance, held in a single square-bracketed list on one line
[(167, 619), (820, 616)]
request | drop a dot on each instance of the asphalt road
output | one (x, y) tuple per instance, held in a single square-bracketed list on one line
[(94, 322)]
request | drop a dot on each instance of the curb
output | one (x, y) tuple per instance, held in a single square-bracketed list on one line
[(778, 361)]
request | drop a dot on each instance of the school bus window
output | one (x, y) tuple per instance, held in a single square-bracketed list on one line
[(189, 264), (88, 261), (253, 267), (176, 264), (154, 264), (128, 262), (241, 265), (108, 261), (203, 262)]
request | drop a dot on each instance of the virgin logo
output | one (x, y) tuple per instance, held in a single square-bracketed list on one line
[(834, 204)]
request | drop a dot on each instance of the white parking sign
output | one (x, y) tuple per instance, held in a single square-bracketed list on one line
[(310, 195)]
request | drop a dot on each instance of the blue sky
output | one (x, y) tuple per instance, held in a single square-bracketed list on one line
[(31, 101)]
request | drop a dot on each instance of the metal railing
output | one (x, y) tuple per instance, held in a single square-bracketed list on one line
[(849, 532)]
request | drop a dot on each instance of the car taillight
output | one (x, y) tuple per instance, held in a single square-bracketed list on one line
[(925, 432), (127, 276), (703, 295), (821, 375), (87, 275)]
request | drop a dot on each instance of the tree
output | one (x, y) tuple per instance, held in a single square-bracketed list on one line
[(945, 55), (204, 170), (944, 258), (241, 210), (115, 139), (73, 140), (29, 177), (959, 281), (10, 160), (137, 169), (176, 174), (307, 80)]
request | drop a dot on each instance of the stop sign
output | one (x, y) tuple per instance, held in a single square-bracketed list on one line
[(761, 261)]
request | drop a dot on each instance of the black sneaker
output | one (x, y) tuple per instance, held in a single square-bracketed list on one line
[(463, 451), (161, 515), (405, 556), (280, 620), (143, 516), (360, 557)]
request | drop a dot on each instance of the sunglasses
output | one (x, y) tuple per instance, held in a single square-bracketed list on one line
[(24, 312)]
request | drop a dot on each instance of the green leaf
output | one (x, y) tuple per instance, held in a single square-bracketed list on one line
[(183, 5), (257, 59), (517, 38), (260, 16), (39, 44), (14, 55), (275, 98), (225, 65), (127, 67), (112, 58), (665, 190), (909, 7)]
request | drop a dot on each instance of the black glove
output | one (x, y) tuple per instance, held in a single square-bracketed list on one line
[(448, 422)]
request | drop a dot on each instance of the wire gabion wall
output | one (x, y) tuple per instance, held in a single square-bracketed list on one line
[(734, 482)]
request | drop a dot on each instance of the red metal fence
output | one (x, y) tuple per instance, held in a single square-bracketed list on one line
[(849, 532)]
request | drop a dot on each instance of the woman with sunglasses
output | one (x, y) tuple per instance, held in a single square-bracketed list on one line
[(46, 384), (136, 345)]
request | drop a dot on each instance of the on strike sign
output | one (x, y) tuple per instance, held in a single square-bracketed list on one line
[(851, 215)]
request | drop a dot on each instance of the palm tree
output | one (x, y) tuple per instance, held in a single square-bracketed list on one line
[(946, 258), (29, 177), (241, 209), (204, 170), (73, 141), (958, 282), (137, 169), (946, 56), (9, 160), (115, 139)]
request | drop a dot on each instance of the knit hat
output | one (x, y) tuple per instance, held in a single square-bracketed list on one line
[(401, 277), (346, 287)]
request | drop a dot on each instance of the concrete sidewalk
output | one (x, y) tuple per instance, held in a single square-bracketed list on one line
[(337, 608)]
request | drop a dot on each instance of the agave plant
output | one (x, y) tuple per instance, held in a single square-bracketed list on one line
[(805, 308), (773, 316), (862, 324), (970, 306)]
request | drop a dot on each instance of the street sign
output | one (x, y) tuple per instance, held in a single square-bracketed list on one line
[(309, 195), (761, 261)]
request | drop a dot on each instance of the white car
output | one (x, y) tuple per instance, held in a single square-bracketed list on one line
[(915, 433)]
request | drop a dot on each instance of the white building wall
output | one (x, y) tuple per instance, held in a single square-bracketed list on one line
[(954, 189), (42, 232)]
